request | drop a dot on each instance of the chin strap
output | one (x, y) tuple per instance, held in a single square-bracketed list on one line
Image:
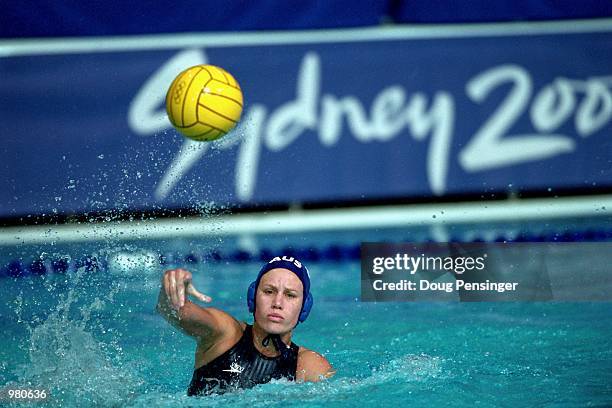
[(278, 343)]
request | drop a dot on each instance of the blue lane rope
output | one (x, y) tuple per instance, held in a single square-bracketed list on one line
[(331, 253)]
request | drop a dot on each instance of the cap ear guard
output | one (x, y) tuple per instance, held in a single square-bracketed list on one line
[(306, 308), (303, 313), (251, 296)]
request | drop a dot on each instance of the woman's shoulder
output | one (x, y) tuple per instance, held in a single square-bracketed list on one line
[(205, 353), (312, 366), (308, 354)]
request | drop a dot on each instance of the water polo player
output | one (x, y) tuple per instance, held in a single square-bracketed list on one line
[(231, 354)]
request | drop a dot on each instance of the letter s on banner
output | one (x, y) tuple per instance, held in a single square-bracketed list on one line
[(144, 116)]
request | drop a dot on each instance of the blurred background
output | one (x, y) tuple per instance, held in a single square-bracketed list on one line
[(364, 121), (346, 103), (358, 116)]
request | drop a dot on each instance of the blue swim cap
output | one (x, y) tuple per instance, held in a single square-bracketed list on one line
[(295, 266)]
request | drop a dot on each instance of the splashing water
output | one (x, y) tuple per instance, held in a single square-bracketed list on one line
[(66, 358), (94, 339), (335, 392)]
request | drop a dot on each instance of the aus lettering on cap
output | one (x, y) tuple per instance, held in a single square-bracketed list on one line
[(287, 259)]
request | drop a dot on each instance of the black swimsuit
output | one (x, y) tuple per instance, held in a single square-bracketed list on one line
[(242, 366)]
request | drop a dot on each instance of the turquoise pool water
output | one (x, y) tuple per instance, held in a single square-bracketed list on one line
[(93, 339)]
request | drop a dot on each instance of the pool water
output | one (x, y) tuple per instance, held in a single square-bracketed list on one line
[(94, 339)]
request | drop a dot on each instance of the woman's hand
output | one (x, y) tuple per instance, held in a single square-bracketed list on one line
[(177, 282)]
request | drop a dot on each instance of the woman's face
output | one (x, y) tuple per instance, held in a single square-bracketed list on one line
[(278, 301)]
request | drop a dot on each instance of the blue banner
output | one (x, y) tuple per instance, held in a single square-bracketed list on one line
[(336, 115), (64, 18)]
